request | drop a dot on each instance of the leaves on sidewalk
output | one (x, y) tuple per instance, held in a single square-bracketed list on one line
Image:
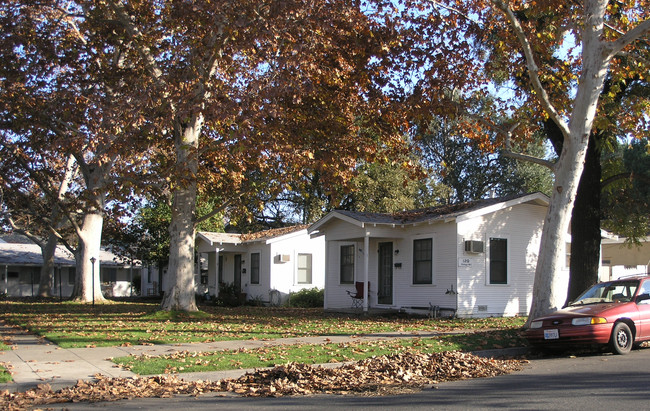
[(377, 376)]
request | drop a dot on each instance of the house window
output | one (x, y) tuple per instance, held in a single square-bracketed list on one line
[(304, 268), (347, 264), (422, 261), (498, 261), (255, 268), (72, 273), (109, 275), (30, 276)]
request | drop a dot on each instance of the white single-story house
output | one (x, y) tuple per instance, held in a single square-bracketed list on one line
[(474, 259), (20, 270), (619, 259), (265, 266)]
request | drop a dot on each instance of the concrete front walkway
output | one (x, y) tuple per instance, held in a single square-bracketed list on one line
[(33, 360)]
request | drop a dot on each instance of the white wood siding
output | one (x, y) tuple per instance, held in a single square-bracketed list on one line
[(521, 225), (405, 293), (284, 275), (275, 277), (408, 294), (257, 291), (335, 295)]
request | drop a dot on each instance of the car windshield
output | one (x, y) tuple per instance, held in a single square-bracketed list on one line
[(610, 292)]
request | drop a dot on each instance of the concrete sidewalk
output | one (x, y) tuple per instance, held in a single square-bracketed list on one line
[(33, 360)]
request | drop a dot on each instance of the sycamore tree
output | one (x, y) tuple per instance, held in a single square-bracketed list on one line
[(604, 172), (235, 86), (68, 93), (27, 209), (604, 33), (554, 58)]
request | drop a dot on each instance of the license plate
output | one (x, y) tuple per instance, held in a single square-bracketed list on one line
[(551, 334)]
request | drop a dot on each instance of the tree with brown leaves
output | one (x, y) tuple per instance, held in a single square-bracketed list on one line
[(553, 58)]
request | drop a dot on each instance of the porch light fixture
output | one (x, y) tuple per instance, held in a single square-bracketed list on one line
[(396, 252)]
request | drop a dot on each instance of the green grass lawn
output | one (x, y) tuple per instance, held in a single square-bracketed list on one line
[(315, 353), (72, 325), (5, 376)]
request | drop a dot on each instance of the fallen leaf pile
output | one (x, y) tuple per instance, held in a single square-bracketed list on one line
[(376, 375), (369, 375)]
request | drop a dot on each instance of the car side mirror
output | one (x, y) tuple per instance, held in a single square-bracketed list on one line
[(643, 299)]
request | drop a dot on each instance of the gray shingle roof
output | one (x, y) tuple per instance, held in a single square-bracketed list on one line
[(30, 254), (430, 213), (228, 238)]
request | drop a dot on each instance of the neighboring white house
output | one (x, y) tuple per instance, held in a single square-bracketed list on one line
[(620, 259), (20, 270), (266, 266), (476, 258)]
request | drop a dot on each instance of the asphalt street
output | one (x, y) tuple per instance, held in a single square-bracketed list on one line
[(591, 382)]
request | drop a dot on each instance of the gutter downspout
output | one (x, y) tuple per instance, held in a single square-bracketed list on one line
[(366, 259)]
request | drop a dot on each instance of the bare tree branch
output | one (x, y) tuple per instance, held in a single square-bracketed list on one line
[(452, 9), (624, 176), (134, 32), (523, 157), (533, 70), (531, 159), (212, 213), (619, 44)]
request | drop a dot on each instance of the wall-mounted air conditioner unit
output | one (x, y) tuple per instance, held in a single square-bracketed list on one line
[(282, 258), (472, 246)]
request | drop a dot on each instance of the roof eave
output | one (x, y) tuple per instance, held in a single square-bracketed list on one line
[(332, 215), (534, 197)]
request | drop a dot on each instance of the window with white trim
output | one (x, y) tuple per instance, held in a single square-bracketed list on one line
[(255, 268), (498, 260), (423, 261), (347, 264), (304, 268)]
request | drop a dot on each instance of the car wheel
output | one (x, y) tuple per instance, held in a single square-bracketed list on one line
[(622, 340)]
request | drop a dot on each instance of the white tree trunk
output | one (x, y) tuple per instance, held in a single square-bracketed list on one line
[(547, 296), (88, 287), (87, 282), (179, 295)]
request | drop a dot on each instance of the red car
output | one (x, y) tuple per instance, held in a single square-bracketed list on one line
[(614, 313)]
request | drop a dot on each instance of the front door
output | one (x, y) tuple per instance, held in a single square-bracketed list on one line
[(238, 273), (385, 264)]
